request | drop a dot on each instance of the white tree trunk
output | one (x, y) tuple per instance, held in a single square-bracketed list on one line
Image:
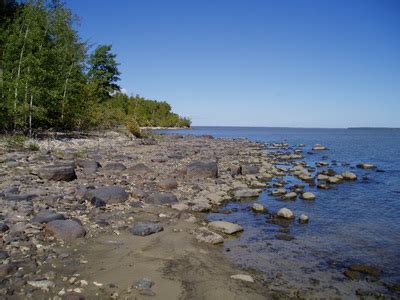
[(65, 92)]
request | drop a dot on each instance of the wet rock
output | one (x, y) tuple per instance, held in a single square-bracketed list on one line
[(243, 277), (366, 269), (246, 193), (66, 230), (202, 169), (58, 173), (114, 167), (285, 213), (146, 228), (322, 177), (366, 166), (349, 176), (225, 227), (335, 179), (319, 147), (108, 194), (249, 169), (168, 184), (207, 236), (308, 196), (257, 207), (284, 237), (162, 198), (353, 275), (278, 192), (45, 216), (289, 196), (303, 219)]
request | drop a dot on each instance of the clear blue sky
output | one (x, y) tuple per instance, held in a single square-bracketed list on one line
[(311, 63)]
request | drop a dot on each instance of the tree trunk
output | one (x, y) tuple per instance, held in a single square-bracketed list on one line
[(30, 115), (17, 79), (65, 92)]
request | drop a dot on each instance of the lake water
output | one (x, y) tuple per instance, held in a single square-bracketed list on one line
[(358, 222)]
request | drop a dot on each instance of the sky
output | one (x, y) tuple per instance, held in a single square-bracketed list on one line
[(284, 63)]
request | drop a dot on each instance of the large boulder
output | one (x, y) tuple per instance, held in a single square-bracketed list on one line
[(46, 216), (58, 173), (66, 230), (146, 228), (202, 169), (225, 227), (162, 198), (108, 194)]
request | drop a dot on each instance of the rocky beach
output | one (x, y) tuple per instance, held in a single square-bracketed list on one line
[(106, 215)]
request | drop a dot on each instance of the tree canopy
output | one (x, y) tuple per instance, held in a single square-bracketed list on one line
[(49, 78)]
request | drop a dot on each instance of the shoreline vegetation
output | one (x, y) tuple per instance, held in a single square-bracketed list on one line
[(51, 79)]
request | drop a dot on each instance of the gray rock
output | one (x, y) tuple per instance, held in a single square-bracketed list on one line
[(114, 167), (249, 169), (207, 236), (225, 227), (246, 193), (235, 170), (89, 166), (257, 207), (162, 198), (14, 197), (140, 169), (285, 213), (46, 216), (308, 196), (58, 173), (202, 169), (168, 184), (146, 228), (66, 230), (7, 269), (3, 254), (109, 194)]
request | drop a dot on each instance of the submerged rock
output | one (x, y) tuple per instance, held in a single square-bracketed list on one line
[(225, 227), (146, 228), (366, 166), (303, 219), (257, 207)]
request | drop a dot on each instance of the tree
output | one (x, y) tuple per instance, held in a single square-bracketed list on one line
[(103, 71)]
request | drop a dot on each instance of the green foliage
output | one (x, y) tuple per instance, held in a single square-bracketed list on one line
[(15, 142), (49, 80), (33, 147), (103, 71), (133, 128)]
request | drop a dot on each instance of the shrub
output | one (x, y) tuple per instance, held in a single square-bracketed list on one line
[(16, 142), (133, 128), (33, 147)]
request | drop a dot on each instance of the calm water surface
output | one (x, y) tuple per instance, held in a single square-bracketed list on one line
[(357, 222)]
